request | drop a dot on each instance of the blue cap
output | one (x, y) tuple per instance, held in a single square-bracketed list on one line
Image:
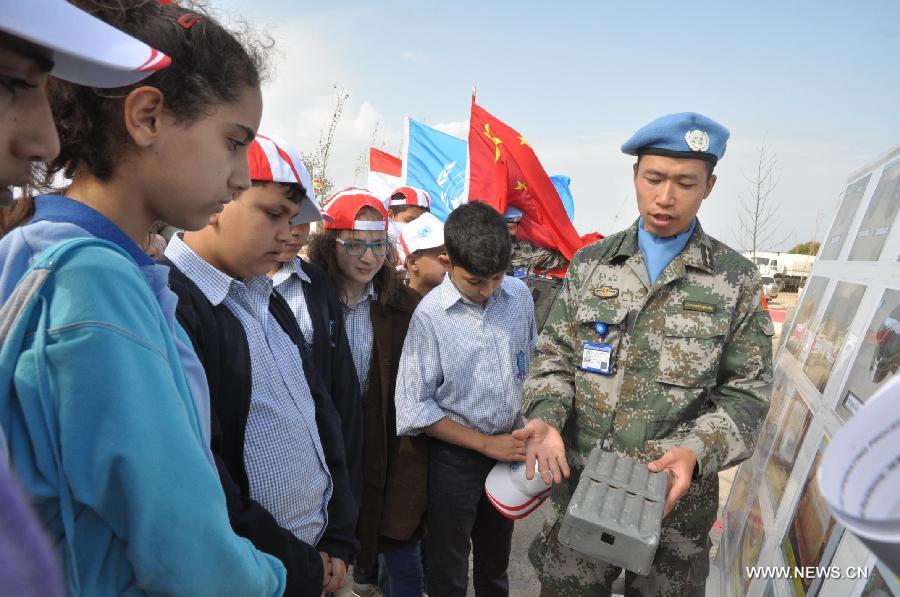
[(683, 135), (512, 212)]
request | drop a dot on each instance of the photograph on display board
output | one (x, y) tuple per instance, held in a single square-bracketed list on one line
[(812, 536), (786, 446), (751, 545), (801, 333), (881, 583), (737, 508), (777, 404), (832, 332), (735, 575), (878, 357), (844, 217), (876, 224)]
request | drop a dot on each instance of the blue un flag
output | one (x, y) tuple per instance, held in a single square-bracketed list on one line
[(436, 162)]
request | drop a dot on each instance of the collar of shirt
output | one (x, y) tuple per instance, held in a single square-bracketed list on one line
[(368, 294), (212, 282), (450, 294), (659, 251), (288, 269), (57, 208)]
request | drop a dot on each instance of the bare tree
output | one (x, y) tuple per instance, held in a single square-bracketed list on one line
[(318, 162), (757, 218)]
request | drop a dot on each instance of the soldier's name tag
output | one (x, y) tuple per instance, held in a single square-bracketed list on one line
[(597, 357)]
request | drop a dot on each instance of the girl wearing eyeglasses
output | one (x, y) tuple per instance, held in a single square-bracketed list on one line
[(353, 250)]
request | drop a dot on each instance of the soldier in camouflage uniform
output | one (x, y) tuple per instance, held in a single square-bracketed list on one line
[(690, 377), (527, 256)]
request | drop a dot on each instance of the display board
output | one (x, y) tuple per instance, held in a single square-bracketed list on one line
[(840, 345)]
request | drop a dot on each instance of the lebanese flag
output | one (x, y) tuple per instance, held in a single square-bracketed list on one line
[(504, 171), (384, 173)]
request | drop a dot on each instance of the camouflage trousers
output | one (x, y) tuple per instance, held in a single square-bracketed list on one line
[(679, 569)]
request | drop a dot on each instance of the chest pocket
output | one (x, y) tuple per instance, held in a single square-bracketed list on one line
[(691, 348), (609, 311)]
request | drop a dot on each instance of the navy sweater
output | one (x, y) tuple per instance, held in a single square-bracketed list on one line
[(221, 344)]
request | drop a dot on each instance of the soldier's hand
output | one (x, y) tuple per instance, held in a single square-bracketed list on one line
[(504, 447), (679, 463), (545, 445)]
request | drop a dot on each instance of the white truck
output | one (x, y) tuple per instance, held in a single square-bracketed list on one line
[(790, 270)]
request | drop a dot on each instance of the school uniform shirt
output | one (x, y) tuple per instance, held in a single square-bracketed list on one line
[(283, 454), (359, 331), (464, 362), (288, 281), (317, 308)]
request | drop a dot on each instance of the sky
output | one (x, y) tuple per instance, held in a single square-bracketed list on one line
[(817, 82)]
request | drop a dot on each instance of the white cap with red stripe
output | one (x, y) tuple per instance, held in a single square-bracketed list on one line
[(342, 209), (85, 50), (511, 493), (273, 161), (410, 196)]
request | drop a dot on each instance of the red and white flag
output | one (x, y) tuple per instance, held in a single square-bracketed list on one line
[(384, 173)]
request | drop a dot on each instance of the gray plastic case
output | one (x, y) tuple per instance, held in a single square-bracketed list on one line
[(616, 512)]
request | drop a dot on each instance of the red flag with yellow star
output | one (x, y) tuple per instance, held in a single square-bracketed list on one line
[(504, 171)]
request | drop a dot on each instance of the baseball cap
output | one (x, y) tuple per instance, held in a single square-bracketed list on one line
[(410, 196), (86, 50), (425, 232), (342, 208), (511, 493), (273, 161)]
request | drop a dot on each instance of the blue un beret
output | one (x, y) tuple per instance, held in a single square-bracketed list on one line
[(512, 212), (683, 135)]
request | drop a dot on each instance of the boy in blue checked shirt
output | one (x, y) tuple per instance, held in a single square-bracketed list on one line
[(464, 360), (276, 434)]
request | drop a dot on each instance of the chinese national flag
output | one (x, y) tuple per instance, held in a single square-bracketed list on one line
[(504, 171)]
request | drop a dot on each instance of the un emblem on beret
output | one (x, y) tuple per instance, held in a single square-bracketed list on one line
[(697, 140)]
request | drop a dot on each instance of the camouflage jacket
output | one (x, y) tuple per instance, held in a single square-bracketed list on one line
[(692, 357), (529, 256)]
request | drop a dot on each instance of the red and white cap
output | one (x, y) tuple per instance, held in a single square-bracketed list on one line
[(344, 206), (425, 232), (85, 50), (273, 161), (410, 196), (511, 493)]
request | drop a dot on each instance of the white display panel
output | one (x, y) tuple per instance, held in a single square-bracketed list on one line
[(840, 344)]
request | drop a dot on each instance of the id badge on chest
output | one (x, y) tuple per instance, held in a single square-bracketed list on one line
[(597, 357)]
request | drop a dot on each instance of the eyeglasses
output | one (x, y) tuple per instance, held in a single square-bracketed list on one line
[(358, 248)]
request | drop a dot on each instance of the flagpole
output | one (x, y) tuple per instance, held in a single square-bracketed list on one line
[(473, 93)]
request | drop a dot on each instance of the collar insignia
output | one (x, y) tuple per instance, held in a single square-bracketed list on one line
[(706, 254)]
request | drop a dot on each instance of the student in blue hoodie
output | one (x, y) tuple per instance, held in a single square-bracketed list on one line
[(27, 135), (103, 402)]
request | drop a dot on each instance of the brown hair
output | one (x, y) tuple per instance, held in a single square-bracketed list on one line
[(210, 66), (17, 214), (322, 251)]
